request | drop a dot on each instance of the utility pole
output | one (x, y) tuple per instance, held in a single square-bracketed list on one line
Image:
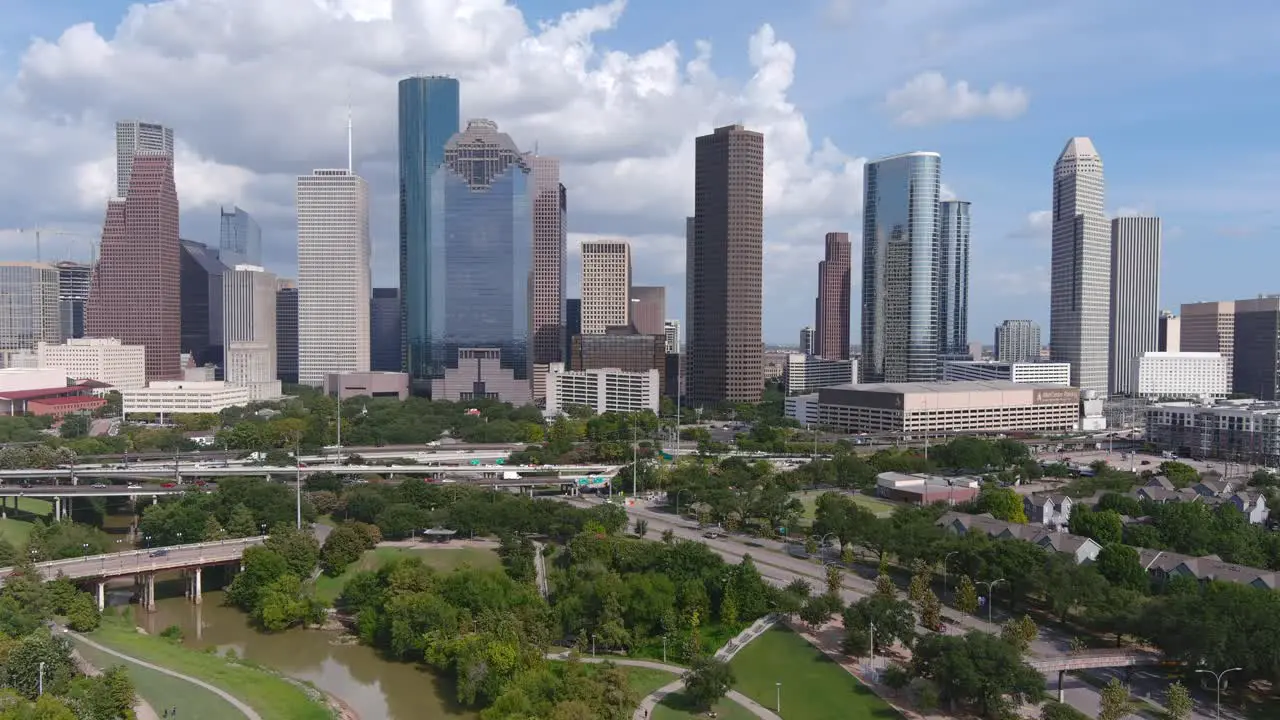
[(339, 426), (635, 457), (297, 465)]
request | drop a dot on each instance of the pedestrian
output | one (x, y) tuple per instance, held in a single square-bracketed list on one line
[(165, 713)]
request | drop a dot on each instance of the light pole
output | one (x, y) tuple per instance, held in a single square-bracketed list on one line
[(40, 680), (635, 458), (297, 466), (593, 644), (1217, 677), (873, 645), (777, 698), (339, 427), (945, 558), (664, 649), (991, 591), (822, 543)]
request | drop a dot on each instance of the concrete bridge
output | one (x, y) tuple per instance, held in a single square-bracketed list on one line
[(144, 564), (1092, 659)]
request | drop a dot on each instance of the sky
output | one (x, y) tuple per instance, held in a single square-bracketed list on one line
[(1179, 99)]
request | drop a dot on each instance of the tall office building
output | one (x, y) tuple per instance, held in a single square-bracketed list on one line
[(429, 116), (572, 322), (1209, 327), (649, 309), (726, 350), (1017, 341), (831, 321), (134, 138), (249, 330), (550, 206), (1170, 332), (606, 285), (200, 303), (900, 268), (240, 240), (1135, 298), (689, 309), (73, 293), (135, 292), (481, 260), (671, 331), (29, 305), (1080, 292), (1255, 357), (333, 275), (808, 339), (384, 328), (953, 278), (287, 331)]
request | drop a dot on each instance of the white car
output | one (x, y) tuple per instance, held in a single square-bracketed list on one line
[(134, 486), (99, 486)]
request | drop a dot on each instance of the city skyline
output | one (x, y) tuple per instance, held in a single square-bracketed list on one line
[(249, 156)]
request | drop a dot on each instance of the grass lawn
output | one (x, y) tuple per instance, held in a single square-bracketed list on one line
[(162, 691), (17, 532), (813, 686), (272, 696), (676, 707), (809, 498), (645, 680), (443, 559), (35, 506)]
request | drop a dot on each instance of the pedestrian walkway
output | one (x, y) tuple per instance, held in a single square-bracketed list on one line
[(142, 709), (248, 712)]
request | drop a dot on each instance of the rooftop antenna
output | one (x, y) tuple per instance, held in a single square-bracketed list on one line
[(350, 152)]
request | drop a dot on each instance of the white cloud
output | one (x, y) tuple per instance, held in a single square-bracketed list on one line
[(257, 93), (927, 99), (1036, 227)]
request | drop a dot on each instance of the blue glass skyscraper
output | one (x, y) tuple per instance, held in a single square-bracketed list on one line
[(429, 116), (481, 262), (241, 239), (901, 269)]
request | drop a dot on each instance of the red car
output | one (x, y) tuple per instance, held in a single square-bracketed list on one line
[(168, 485)]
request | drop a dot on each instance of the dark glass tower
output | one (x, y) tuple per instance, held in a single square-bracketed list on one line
[(429, 116), (953, 277), (384, 330)]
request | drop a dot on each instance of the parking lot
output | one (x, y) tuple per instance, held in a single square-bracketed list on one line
[(1135, 461)]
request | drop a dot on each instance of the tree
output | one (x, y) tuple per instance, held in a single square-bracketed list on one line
[(1054, 710), (816, 610), (1104, 526), (1020, 632), (74, 426), (835, 580), (1177, 702), (82, 613), (23, 665), (707, 681), (1120, 565), (641, 527), (930, 611), (1115, 701), (893, 619), (1003, 504), (240, 522), (977, 669), (921, 578), (966, 595), (343, 546)]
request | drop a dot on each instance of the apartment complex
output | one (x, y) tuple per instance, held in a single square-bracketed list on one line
[(1244, 431), (1017, 341)]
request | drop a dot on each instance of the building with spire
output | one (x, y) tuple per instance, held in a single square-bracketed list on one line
[(1080, 278)]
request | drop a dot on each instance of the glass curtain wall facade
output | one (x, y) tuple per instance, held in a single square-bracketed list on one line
[(900, 269), (429, 117), (953, 267), (481, 251), (240, 242)]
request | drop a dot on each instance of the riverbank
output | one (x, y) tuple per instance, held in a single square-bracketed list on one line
[(265, 691)]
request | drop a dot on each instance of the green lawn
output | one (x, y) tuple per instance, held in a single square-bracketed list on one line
[(443, 559), (35, 506), (809, 498), (676, 707), (17, 532), (813, 686), (162, 691), (645, 680), (269, 694)]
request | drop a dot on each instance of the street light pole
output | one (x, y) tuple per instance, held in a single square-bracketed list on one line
[(945, 558), (1217, 677), (339, 427), (873, 646), (297, 464), (991, 591), (635, 458), (777, 701)]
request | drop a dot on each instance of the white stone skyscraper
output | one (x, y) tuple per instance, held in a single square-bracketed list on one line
[(134, 137), (1135, 298), (1080, 282), (249, 330), (606, 285), (334, 285)]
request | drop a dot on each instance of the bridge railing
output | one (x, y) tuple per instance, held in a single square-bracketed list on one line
[(119, 558)]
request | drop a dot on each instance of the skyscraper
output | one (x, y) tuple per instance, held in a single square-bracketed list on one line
[(200, 303), (649, 309), (549, 209), (689, 309), (429, 116), (134, 137), (606, 285), (287, 331), (1135, 298), (572, 322), (384, 328), (953, 278), (249, 330), (900, 268), (1017, 341), (1170, 332), (73, 293), (808, 337), (134, 294), (1255, 356), (834, 301), (481, 261), (240, 242), (333, 275), (671, 331), (726, 350), (1080, 283), (29, 307)]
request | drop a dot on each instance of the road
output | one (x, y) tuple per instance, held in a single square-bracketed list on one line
[(780, 569), (133, 562)]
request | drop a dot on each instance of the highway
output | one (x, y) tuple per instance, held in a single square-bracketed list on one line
[(134, 562), (253, 470), (90, 491)]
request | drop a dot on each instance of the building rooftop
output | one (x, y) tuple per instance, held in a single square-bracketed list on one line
[(944, 386), (1078, 147)]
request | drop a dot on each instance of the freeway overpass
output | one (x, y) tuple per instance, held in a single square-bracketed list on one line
[(145, 564), (254, 470)]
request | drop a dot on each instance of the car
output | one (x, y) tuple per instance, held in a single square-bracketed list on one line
[(1145, 462), (168, 485), (26, 486), (133, 486), (99, 486), (158, 553), (711, 534)]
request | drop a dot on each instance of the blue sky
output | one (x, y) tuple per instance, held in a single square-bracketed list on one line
[(1179, 100)]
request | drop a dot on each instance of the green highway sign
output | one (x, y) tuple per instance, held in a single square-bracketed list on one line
[(475, 462)]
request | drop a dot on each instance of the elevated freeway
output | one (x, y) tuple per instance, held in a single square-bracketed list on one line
[(184, 471), (145, 564)]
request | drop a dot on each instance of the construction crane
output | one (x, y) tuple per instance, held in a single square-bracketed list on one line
[(38, 232)]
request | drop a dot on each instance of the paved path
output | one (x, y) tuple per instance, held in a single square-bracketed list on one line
[(142, 709), (248, 712), (540, 568)]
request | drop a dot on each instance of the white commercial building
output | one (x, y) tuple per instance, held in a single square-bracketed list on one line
[(607, 390), (1017, 341), (1183, 376), (106, 360), (134, 137), (1135, 298), (169, 397), (334, 287), (806, 373), (606, 285), (1019, 372), (249, 330)]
